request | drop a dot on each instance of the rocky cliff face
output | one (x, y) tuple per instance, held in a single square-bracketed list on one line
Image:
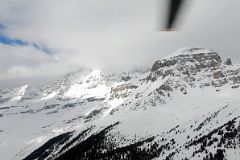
[(185, 107), (189, 62)]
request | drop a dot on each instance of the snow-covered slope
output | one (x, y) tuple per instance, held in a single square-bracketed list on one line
[(185, 107)]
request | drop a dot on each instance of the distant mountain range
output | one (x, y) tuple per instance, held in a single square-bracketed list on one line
[(187, 107)]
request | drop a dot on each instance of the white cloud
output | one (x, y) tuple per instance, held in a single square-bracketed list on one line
[(107, 34)]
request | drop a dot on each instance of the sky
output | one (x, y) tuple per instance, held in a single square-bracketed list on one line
[(41, 40)]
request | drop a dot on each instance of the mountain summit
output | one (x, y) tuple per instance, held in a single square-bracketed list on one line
[(185, 107)]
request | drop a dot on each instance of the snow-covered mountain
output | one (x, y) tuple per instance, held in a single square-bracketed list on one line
[(186, 107)]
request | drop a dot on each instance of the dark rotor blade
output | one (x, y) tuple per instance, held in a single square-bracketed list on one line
[(174, 8)]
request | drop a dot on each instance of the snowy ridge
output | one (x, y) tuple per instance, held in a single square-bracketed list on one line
[(185, 107), (188, 51)]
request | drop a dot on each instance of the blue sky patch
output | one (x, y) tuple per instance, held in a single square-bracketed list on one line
[(42, 48), (9, 41), (18, 42)]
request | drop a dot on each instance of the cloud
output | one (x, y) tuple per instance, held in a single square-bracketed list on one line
[(112, 34), (22, 64)]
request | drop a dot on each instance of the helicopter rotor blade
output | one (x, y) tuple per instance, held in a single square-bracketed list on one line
[(174, 9)]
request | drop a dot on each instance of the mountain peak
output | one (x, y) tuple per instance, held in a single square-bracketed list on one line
[(189, 51), (90, 85), (194, 57), (24, 92)]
